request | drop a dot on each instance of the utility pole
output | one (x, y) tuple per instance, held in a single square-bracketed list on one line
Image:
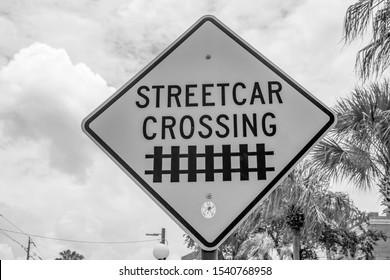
[(28, 248)]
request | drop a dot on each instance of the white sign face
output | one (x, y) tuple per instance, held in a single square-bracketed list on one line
[(208, 129)]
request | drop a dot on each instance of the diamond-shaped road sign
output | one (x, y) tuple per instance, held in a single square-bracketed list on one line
[(208, 129)]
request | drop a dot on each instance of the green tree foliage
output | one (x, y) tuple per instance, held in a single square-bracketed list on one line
[(308, 252), (359, 244), (70, 255), (299, 209), (275, 227), (358, 148), (367, 241), (352, 243), (329, 239), (256, 247), (306, 204), (374, 58)]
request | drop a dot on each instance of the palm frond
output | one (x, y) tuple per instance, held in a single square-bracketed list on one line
[(374, 58), (257, 247), (357, 18), (345, 160), (358, 148), (328, 156), (357, 114)]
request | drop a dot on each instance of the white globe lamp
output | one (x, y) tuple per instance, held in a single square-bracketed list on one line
[(161, 251)]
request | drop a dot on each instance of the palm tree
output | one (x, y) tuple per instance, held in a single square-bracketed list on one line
[(275, 227), (304, 201), (302, 204), (358, 148), (374, 58), (70, 255), (256, 247), (295, 220)]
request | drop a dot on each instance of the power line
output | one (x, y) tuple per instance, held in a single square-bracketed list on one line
[(29, 239), (9, 237), (21, 245), (38, 250), (13, 224), (83, 241)]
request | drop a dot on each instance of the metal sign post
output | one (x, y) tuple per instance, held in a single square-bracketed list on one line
[(209, 255)]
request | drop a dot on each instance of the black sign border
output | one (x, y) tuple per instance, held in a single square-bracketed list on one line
[(87, 122)]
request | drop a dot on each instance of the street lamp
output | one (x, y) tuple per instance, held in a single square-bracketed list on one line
[(161, 251)]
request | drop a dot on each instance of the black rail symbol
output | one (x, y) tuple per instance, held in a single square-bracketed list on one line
[(209, 155)]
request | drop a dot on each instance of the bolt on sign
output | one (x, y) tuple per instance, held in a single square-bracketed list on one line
[(208, 129)]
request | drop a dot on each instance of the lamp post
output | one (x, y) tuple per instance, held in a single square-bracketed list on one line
[(162, 234), (161, 251)]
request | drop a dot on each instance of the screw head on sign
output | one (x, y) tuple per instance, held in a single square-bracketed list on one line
[(209, 196)]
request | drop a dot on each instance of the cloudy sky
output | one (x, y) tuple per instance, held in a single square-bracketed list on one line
[(59, 60)]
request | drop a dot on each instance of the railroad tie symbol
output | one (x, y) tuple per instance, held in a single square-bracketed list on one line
[(209, 155)]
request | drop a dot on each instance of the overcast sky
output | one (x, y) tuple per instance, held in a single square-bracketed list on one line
[(59, 60)]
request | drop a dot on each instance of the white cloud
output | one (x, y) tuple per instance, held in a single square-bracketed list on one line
[(6, 252), (55, 182), (44, 98), (118, 38)]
